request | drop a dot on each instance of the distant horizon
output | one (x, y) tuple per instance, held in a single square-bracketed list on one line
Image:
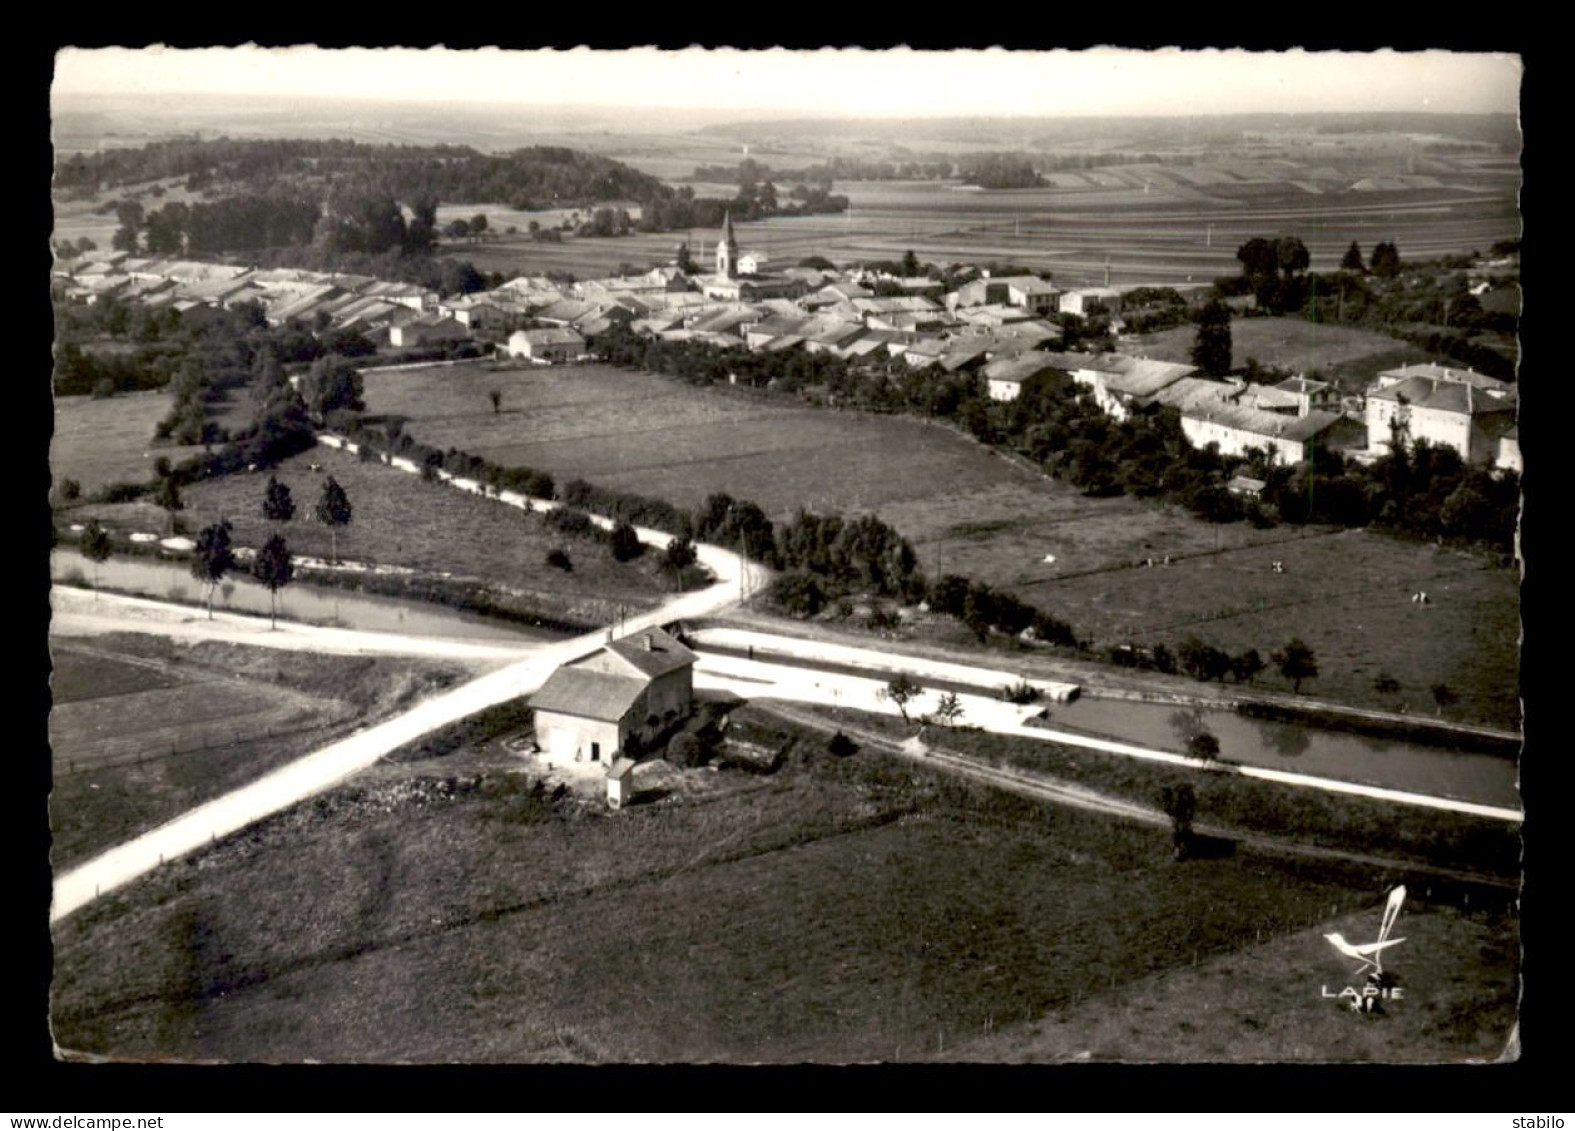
[(836, 83), (748, 113)]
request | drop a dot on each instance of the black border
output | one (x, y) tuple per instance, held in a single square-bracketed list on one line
[(36, 1079)]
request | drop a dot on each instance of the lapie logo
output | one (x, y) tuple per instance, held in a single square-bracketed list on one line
[(1370, 957)]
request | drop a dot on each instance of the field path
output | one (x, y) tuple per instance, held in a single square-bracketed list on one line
[(1078, 797)]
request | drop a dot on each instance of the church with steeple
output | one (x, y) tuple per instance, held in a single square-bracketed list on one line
[(727, 250), (738, 278)]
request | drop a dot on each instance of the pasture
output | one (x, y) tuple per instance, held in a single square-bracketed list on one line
[(972, 513), (398, 520), (839, 910), (1347, 594), (1458, 971), (143, 729), (639, 432), (1346, 354)]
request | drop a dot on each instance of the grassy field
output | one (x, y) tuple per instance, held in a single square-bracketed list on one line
[(1344, 353), (839, 910), (1460, 978), (1347, 594), (401, 521), (639, 432), (142, 729), (110, 440)]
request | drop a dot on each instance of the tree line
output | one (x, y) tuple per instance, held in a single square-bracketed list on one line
[(1429, 304)]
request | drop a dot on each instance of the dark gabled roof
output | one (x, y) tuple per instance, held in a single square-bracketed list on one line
[(588, 694), (1447, 396), (653, 652)]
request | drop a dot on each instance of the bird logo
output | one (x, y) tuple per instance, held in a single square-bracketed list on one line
[(1370, 955)]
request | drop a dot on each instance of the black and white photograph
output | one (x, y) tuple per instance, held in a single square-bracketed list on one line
[(730, 556)]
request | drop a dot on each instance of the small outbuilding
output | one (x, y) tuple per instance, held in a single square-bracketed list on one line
[(620, 783)]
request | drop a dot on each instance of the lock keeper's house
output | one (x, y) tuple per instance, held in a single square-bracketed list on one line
[(619, 700)]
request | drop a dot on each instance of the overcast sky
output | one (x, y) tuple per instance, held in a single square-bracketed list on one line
[(844, 82)]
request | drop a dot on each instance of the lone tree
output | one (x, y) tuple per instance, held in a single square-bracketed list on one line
[(948, 710), (278, 505), (275, 569), (1181, 805), (212, 558), (1211, 351), (1353, 260), (496, 397), (1204, 746), (1443, 696), (679, 555), (625, 543), (1200, 741), (1385, 684), (333, 511), (332, 383), (1296, 663), (95, 548), (901, 691)]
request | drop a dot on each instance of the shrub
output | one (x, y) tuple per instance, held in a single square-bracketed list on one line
[(1021, 693), (122, 492), (797, 593), (684, 750), (572, 522), (625, 543), (841, 745), (559, 559), (70, 490)]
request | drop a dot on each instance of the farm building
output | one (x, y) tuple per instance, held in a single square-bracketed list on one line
[(1310, 394), (616, 700), (1439, 373), (1509, 451), (1005, 376), (1292, 438), (1217, 412), (1119, 380), (1091, 300), (1030, 293), (427, 329), (477, 314), (546, 346), (1451, 413)]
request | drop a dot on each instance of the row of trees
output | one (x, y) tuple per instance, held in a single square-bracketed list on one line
[(1194, 657), (212, 560)]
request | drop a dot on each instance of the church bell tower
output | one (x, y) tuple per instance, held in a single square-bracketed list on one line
[(727, 250)]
